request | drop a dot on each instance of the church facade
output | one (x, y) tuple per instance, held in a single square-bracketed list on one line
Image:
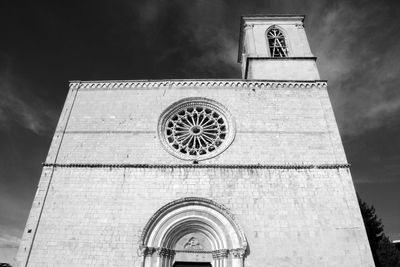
[(247, 172)]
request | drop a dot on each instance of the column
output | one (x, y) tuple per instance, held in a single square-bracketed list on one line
[(238, 257)]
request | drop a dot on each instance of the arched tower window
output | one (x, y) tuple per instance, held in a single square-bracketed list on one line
[(276, 42)]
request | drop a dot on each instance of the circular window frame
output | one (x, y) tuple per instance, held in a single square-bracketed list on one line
[(192, 102)]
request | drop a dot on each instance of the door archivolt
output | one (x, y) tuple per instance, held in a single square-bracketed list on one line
[(193, 230)]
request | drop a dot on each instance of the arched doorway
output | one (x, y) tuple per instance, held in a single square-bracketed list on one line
[(195, 232)]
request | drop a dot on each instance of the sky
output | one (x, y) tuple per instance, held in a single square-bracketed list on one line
[(43, 45)]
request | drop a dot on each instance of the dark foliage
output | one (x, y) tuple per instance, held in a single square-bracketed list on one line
[(384, 252), (387, 253)]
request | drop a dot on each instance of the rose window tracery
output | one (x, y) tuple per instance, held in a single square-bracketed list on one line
[(196, 129)]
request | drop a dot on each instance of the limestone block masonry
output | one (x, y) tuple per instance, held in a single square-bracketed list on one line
[(275, 191)]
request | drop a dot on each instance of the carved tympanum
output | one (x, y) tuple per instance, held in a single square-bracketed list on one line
[(193, 244)]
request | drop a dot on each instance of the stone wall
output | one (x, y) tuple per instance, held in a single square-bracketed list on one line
[(94, 215), (281, 68), (275, 124)]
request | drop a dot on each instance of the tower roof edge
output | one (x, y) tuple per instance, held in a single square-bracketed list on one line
[(274, 16)]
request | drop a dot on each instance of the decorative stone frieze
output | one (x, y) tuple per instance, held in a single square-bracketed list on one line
[(194, 166), (221, 253), (165, 252), (193, 251), (108, 85)]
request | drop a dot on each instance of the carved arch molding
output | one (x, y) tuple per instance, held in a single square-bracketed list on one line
[(193, 230)]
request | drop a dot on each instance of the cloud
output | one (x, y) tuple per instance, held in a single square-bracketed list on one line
[(216, 38), (359, 58), (384, 109), (376, 180), (9, 243), (19, 105), (195, 34), (148, 12)]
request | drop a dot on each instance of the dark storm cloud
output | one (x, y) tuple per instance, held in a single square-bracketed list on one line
[(45, 44), (358, 50), (190, 36)]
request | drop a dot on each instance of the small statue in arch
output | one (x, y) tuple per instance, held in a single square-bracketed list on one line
[(193, 243)]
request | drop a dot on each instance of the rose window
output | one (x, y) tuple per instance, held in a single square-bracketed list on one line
[(196, 129)]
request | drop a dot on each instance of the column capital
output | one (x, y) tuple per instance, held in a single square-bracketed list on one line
[(238, 252), (165, 252)]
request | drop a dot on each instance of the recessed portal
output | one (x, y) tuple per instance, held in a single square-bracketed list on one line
[(192, 232), (192, 264)]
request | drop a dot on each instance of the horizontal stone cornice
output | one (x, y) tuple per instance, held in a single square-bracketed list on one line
[(200, 166), (250, 57), (267, 84), (216, 254)]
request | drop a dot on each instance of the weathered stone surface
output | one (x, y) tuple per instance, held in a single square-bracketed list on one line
[(290, 217), (273, 125)]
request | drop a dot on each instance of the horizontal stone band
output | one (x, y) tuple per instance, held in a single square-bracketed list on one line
[(198, 166), (219, 253), (196, 83)]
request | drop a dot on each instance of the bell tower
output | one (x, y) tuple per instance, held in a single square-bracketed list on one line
[(275, 47)]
